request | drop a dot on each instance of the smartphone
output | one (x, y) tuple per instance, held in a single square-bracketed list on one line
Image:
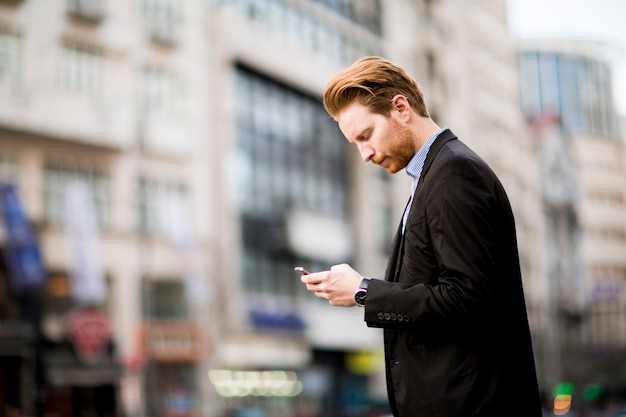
[(301, 270)]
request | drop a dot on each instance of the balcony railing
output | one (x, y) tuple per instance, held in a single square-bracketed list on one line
[(163, 31), (87, 10)]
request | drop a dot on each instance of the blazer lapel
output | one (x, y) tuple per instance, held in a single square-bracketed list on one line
[(397, 250), (393, 264)]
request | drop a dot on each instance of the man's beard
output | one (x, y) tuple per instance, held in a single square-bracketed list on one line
[(403, 149)]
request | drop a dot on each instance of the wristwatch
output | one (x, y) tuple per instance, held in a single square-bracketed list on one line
[(361, 292)]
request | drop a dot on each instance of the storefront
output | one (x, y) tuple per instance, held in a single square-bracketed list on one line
[(57, 354), (82, 372), (48, 361), (16, 363), (173, 347)]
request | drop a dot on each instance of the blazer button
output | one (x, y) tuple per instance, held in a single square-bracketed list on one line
[(387, 316), (400, 317), (380, 316), (406, 318), (393, 316)]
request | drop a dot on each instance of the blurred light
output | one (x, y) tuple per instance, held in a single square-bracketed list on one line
[(563, 398), (59, 285), (366, 362), (564, 388), (592, 392), (231, 383), (562, 404)]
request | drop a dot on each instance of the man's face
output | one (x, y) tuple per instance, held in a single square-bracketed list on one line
[(385, 141)]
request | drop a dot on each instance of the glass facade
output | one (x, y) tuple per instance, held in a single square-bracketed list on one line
[(58, 176), (291, 156), (573, 86)]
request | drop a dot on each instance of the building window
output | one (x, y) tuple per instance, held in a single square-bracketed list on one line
[(549, 77), (162, 19), (59, 297), (160, 91), (8, 168), (10, 58), (366, 13), (91, 10), (164, 300), (57, 177), (529, 85), (304, 29), (164, 210), (81, 69), (569, 97)]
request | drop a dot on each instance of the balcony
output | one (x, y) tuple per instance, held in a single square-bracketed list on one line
[(163, 32), (96, 121), (88, 11)]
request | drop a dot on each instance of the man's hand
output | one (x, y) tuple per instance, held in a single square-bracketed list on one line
[(337, 285)]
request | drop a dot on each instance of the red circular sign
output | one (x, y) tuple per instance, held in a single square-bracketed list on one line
[(90, 332)]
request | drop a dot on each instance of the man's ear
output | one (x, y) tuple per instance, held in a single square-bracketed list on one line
[(401, 104)]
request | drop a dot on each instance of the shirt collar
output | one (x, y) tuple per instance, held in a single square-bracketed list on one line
[(416, 164)]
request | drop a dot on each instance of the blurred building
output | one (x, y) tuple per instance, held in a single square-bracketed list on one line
[(99, 93), (213, 170), (566, 95)]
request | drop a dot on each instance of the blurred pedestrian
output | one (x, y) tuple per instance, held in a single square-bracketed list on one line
[(456, 335)]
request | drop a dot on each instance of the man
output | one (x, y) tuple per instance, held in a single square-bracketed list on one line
[(457, 340)]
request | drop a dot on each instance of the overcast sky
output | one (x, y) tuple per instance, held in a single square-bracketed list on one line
[(597, 20)]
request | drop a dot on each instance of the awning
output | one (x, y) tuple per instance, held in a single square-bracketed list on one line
[(62, 368), (84, 377)]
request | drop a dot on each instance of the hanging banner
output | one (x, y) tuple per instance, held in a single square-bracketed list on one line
[(175, 225), (22, 252), (88, 284)]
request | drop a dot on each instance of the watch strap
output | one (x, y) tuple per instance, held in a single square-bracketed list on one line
[(361, 292), (365, 282)]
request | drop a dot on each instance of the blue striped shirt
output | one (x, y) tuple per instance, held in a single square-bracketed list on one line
[(414, 170)]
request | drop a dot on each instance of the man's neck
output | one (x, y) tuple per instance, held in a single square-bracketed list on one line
[(424, 128)]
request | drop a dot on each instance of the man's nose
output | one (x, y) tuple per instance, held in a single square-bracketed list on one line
[(367, 152)]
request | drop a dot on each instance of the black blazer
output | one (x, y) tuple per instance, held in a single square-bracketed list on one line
[(457, 340)]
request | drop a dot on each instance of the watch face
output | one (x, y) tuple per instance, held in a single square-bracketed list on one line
[(359, 297)]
